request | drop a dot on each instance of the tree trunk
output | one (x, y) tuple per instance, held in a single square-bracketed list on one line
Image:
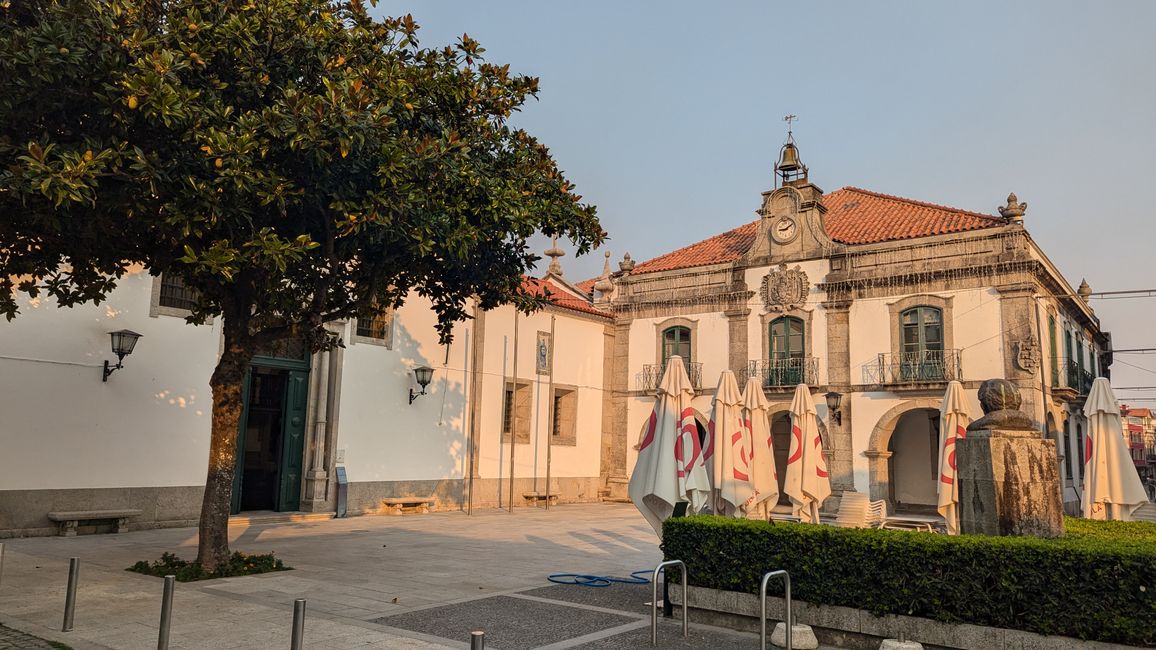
[(213, 547)]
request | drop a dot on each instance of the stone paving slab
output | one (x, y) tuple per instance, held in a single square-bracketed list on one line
[(16, 640), (622, 597), (508, 622)]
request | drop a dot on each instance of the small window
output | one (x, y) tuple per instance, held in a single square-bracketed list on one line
[(1068, 451), (1080, 448), (516, 418), (676, 342), (377, 329), (175, 294), (565, 425)]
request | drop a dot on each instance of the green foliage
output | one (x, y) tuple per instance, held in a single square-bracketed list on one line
[(1098, 582), (238, 564), (295, 161)]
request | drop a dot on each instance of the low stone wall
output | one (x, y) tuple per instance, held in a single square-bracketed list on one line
[(856, 629)]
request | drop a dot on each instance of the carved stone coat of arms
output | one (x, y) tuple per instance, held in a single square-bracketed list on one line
[(1027, 354), (785, 289)]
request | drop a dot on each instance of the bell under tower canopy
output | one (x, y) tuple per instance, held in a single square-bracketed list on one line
[(790, 169)]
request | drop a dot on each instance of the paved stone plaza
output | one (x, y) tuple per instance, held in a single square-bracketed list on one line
[(415, 581)]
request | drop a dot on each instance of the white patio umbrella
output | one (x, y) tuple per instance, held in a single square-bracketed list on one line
[(670, 467), (953, 421), (764, 478), (807, 482), (731, 449), (1112, 488)]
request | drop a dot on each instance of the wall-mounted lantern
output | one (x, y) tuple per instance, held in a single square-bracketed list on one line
[(423, 375), (833, 400), (123, 341)]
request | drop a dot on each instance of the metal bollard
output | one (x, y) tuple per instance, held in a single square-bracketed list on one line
[(661, 568), (70, 595), (477, 640), (790, 622), (298, 624), (1, 562), (166, 613)]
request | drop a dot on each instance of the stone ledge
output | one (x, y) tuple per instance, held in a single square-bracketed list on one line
[(856, 629)]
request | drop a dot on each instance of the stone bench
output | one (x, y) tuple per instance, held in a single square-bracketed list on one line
[(397, 505), (537, 497), (70, 520)]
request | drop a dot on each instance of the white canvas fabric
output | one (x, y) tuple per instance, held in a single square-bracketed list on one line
[(670, 466), (764, 478), (1112, 488), (953, 421), (730, 460), (807, 482)]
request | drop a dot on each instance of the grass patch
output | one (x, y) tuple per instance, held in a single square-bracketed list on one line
[(239, 564)]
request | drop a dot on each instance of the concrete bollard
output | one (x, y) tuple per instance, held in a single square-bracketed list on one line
[(166, 613), (298, 624), (478, 640), (70, 595)]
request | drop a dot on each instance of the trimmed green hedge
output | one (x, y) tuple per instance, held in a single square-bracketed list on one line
[(1098, 582)]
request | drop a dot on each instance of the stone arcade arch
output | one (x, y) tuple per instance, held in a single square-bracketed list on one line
[(878, 446)]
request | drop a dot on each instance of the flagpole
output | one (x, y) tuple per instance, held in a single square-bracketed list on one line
[(513, 417), (550, 409)]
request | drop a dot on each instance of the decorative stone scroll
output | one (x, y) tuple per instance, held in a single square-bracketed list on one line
[(785, 289)]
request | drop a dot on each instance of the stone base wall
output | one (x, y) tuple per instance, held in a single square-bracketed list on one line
[(856, 629), (24, 513)]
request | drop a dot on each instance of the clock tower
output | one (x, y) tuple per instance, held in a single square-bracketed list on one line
[(791, 227)]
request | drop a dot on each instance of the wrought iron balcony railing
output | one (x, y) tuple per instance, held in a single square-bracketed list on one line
[(651, 375), (783, 372), (1078, 379), (914, 367)]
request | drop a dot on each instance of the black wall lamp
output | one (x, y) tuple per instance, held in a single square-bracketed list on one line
[(423, 375), (123, 341), (833, 400)]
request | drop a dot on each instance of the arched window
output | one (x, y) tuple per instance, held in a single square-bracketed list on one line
[(788, 349), (676, 341), (921, 344)]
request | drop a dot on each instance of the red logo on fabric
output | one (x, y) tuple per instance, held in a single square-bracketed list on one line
[(651, 427), (688, 430), (820, 464), (949, 447), (797, 434)]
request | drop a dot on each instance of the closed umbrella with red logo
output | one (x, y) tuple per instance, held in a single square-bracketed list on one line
[(764, 478), (953, 421), (730, 454), (670, 466), (1112, 487), (807, 482)]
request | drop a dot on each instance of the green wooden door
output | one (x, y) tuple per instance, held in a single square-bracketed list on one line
[(239, 463), (293, 440)]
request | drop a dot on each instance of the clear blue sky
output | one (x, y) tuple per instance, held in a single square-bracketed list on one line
[(668, 117)]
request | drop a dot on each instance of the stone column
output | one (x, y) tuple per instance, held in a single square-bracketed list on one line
[(1022, 346), (316, 479), (839, 379), (737, 329), (615, 373)]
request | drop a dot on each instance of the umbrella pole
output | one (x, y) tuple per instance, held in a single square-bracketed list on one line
[(550, 409), (513, 417)]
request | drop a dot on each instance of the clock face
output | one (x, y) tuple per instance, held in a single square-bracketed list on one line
[(784, 230)]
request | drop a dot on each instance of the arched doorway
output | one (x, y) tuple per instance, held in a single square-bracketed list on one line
[(914, 461)]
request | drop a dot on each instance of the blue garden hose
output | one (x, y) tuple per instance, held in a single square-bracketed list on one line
[(599, 581)]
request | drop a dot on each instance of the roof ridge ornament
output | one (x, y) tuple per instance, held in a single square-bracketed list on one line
[(790, 169), (604, 286), (1013, 212), (554, 253)]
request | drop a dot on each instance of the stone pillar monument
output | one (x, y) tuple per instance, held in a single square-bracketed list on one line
[(1009, 481)]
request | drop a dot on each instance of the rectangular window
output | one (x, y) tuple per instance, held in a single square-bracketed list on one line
[(516, 404), (175, 294), (376, 329), (564, 428)]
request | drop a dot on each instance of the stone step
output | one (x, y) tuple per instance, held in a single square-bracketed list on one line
[(263, 517), (1146, 512)]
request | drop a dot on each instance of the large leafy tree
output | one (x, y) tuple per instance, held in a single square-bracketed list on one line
[(293, 161)]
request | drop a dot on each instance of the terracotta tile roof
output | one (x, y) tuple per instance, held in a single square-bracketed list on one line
[(854, 216), (560, 297), (1140, 413), (587, 286)]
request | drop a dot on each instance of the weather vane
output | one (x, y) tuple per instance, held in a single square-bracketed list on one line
[(788, 119)]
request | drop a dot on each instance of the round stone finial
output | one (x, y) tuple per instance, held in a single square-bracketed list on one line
[(1085, 291), (1013, 211), (627, 264)]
